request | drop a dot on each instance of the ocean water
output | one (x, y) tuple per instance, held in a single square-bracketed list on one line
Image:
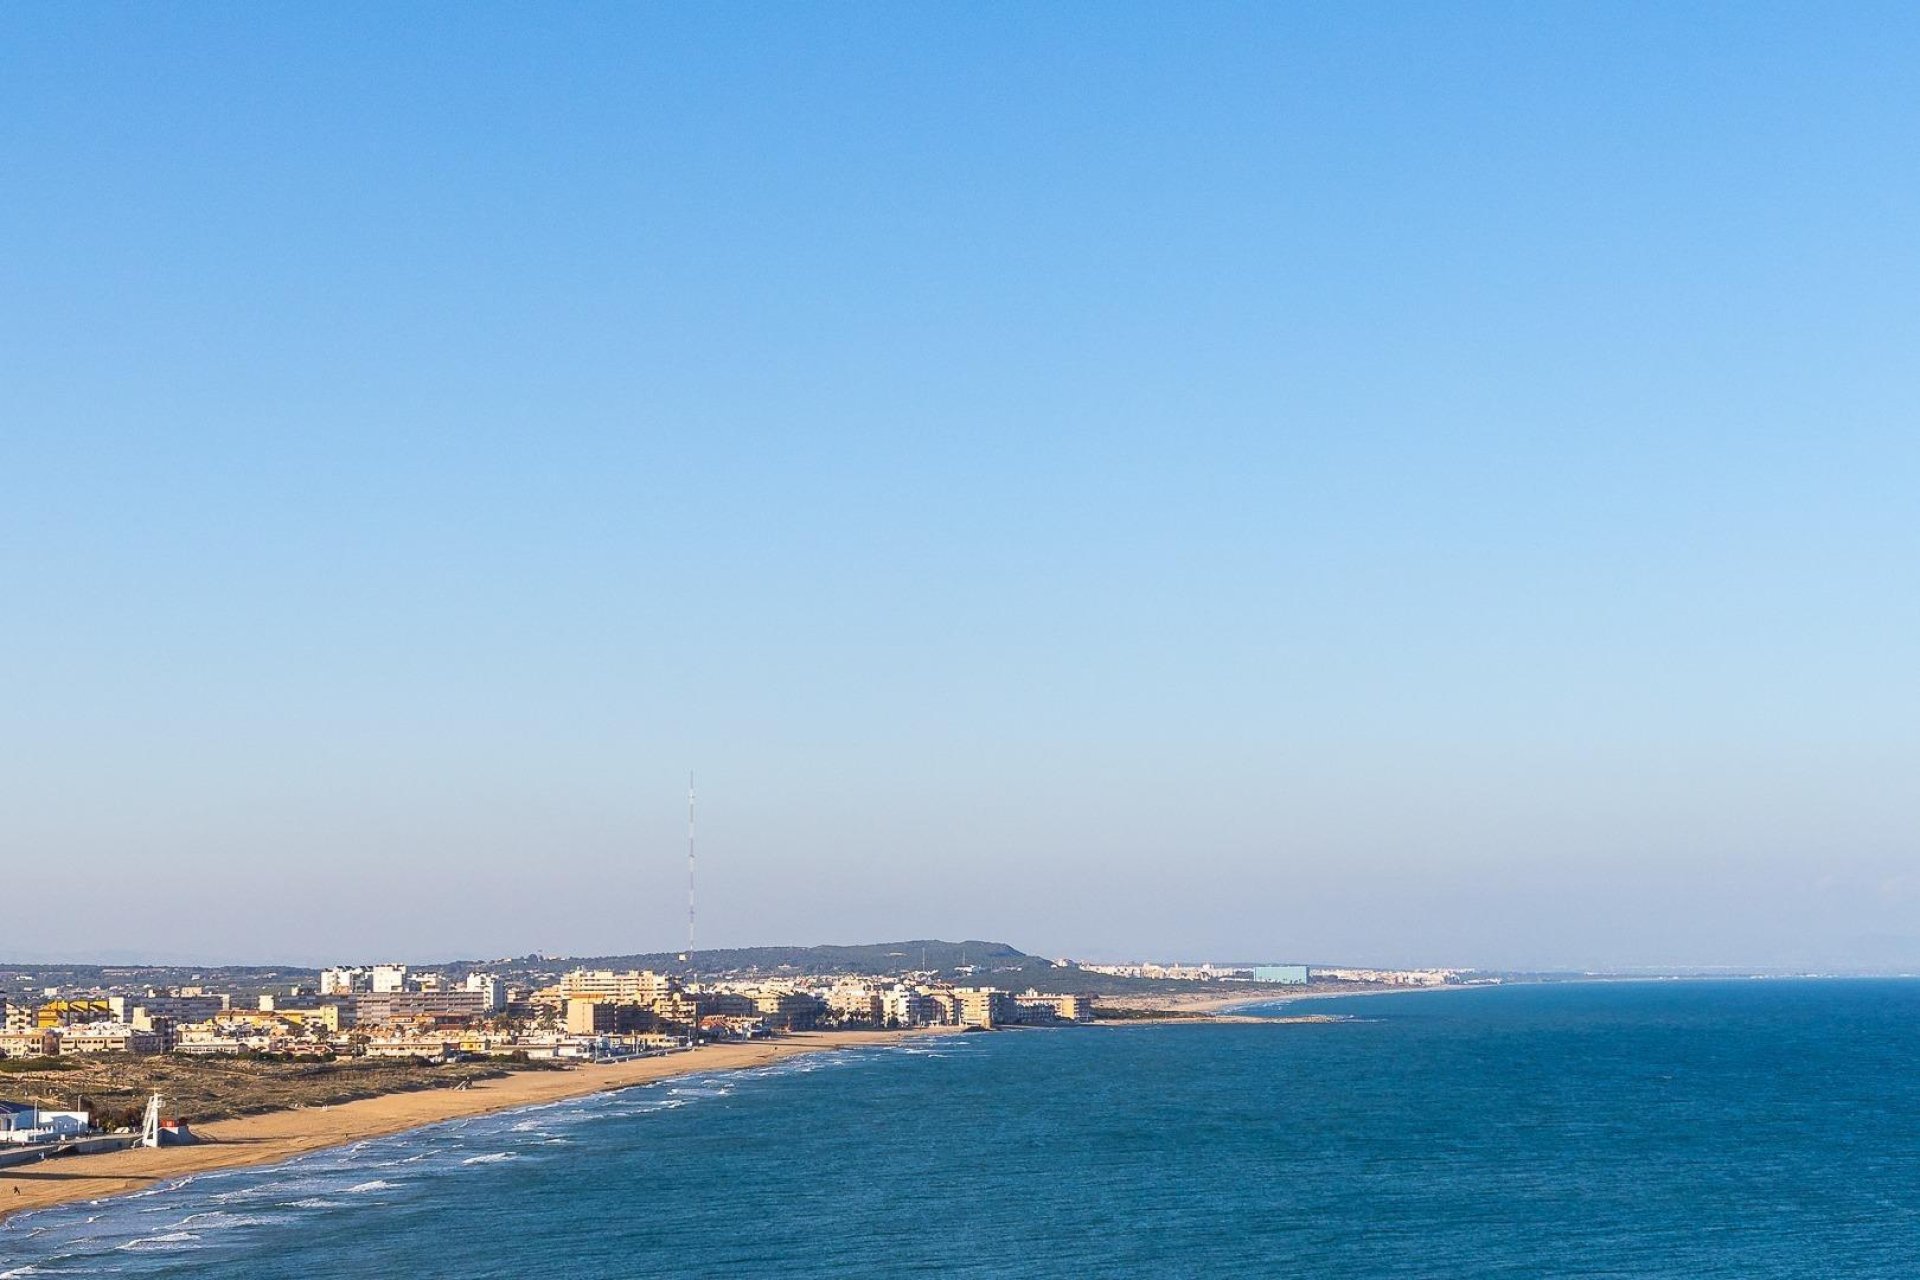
[(1750, 1130)]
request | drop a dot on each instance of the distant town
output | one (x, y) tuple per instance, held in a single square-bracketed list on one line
[(526, 1013), (399, 1011)]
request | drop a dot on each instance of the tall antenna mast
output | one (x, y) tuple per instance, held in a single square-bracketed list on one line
[(689, 955)]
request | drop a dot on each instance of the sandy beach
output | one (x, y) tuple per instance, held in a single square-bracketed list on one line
[(280, 1135)]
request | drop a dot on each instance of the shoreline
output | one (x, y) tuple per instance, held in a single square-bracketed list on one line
[(275, 1136), (1214, 1005)]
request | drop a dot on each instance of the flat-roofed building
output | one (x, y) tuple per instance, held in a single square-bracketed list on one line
[(795, 1010), (985, 1007), (343, 981), (723, 1004), (589, 1017), (904, 1007), (855, 1002), (492, 988), (432, 1048), (35, 1042), (399, 1006), (67, 1013), (179, 1008), (24, 1122), (389, 977), (1071, 1007), (109, 1037), (633, 986), (330, 1016)]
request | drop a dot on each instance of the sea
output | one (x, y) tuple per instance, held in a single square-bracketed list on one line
[(1688, 1129)]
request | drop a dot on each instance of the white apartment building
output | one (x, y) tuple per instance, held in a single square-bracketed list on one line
[(905, 1007), (492, 988), (342, 981)]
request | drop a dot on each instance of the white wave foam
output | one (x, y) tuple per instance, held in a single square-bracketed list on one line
[(362, 1188), (166, 1241), (215, 1219), (496, 1158)]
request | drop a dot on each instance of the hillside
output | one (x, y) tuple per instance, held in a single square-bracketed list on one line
[(919, 954)]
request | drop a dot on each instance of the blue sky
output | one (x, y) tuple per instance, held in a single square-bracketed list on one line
[(1374, 483)]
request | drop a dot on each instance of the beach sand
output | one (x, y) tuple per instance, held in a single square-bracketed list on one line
[(280, 1135)]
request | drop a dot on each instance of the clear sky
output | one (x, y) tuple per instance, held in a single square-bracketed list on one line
[(1385, 483)]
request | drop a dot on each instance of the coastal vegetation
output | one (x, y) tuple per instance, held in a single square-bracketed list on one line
[(212, 1088)]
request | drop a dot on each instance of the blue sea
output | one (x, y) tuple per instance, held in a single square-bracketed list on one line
[(1696, 1129)]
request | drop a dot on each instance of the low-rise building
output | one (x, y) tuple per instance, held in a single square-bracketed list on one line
[(36, 1042), (1070, 1007), (431, 1048), (110, 1037), (24, 1122)]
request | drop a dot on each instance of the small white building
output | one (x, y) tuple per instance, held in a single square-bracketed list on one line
[(22, 1122)]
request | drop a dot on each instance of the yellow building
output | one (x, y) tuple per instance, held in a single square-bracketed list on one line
[(66, 1013), (327, 1016), (984, 1007), (1074, 1007), (635, 986), (589, 1017)]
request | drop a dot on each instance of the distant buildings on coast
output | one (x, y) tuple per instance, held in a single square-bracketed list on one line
[(537, 1009), (1287, 975), (392, 1011)]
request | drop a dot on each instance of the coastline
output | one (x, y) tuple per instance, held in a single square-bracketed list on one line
[(1217, 1005), (275, 1136)]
